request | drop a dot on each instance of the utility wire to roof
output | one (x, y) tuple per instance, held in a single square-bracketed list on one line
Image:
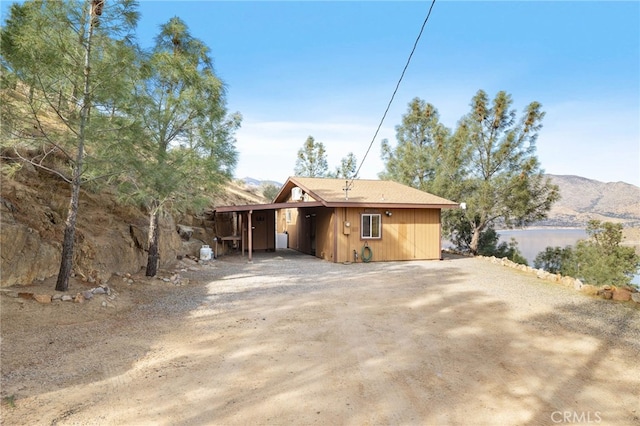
[(393, 95)]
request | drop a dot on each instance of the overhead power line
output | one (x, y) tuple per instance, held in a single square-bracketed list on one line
[(394, 92)]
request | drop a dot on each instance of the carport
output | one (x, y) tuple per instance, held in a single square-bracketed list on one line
[(256, 224)]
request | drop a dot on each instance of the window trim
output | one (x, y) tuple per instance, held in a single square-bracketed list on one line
[(370, 228)]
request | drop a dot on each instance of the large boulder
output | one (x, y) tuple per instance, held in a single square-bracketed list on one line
[(25, 257), (99, 254), (621, 294)]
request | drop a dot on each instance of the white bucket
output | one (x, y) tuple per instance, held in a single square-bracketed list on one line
[(205, 252)]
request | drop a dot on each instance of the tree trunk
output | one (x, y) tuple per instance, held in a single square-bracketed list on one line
[(154, 234), (62, 283), (474, 246), (475, 241)]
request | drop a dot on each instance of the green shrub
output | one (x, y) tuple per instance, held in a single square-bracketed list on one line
[(597, 260)]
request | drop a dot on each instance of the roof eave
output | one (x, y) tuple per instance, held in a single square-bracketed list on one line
[(302, 204), (391, 205), (270, 206)]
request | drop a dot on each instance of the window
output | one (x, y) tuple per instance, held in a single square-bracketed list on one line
[(288, 215), (371, 226)]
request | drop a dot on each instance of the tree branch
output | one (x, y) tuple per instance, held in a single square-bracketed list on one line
[(38, 164)]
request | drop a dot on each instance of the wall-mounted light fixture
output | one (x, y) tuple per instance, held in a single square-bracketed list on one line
[(388, 213)]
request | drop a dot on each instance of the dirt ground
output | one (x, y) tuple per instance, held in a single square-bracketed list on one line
[(290, 339)]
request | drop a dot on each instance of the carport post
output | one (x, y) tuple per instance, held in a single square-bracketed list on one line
[(241, 233), (250, 234)]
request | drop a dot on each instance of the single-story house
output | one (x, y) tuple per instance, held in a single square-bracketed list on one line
[(342, 221)]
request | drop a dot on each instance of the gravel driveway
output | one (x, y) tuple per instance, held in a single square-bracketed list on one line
[(290, 339)]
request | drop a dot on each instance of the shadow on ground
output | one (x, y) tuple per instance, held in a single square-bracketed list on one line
[(290, 339)]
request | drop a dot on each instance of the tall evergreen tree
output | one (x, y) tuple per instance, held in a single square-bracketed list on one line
[(312, 159), (413, 160), (188, 136), (347, 169), (64, 66), (489, 163), (503, 180)]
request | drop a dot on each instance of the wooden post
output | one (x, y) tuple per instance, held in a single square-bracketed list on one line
[(241, 233), (334, 217), (235, 223), (250, 236)]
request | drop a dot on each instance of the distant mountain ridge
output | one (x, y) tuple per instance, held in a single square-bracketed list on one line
[(583, 199), (256, 183)]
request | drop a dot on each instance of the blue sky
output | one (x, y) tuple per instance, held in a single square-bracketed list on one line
[(327, 69)]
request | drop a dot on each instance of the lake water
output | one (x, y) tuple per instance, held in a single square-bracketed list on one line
[(533, 241)]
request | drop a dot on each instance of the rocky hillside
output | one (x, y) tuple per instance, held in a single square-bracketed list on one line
[(585, 199), (111, 237)]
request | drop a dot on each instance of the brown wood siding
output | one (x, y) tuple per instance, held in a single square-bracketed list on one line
[(281, 220), (408, 234), (263, 223), (324, 233)]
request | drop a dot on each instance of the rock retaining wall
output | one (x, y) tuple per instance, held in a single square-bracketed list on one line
[(609, 292)]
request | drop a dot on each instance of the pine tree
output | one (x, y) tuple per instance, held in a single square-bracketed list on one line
[(312, 159), (413, 161), (503, 179), (347, 169), (64, 67), (188, 147), (489, 163)]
